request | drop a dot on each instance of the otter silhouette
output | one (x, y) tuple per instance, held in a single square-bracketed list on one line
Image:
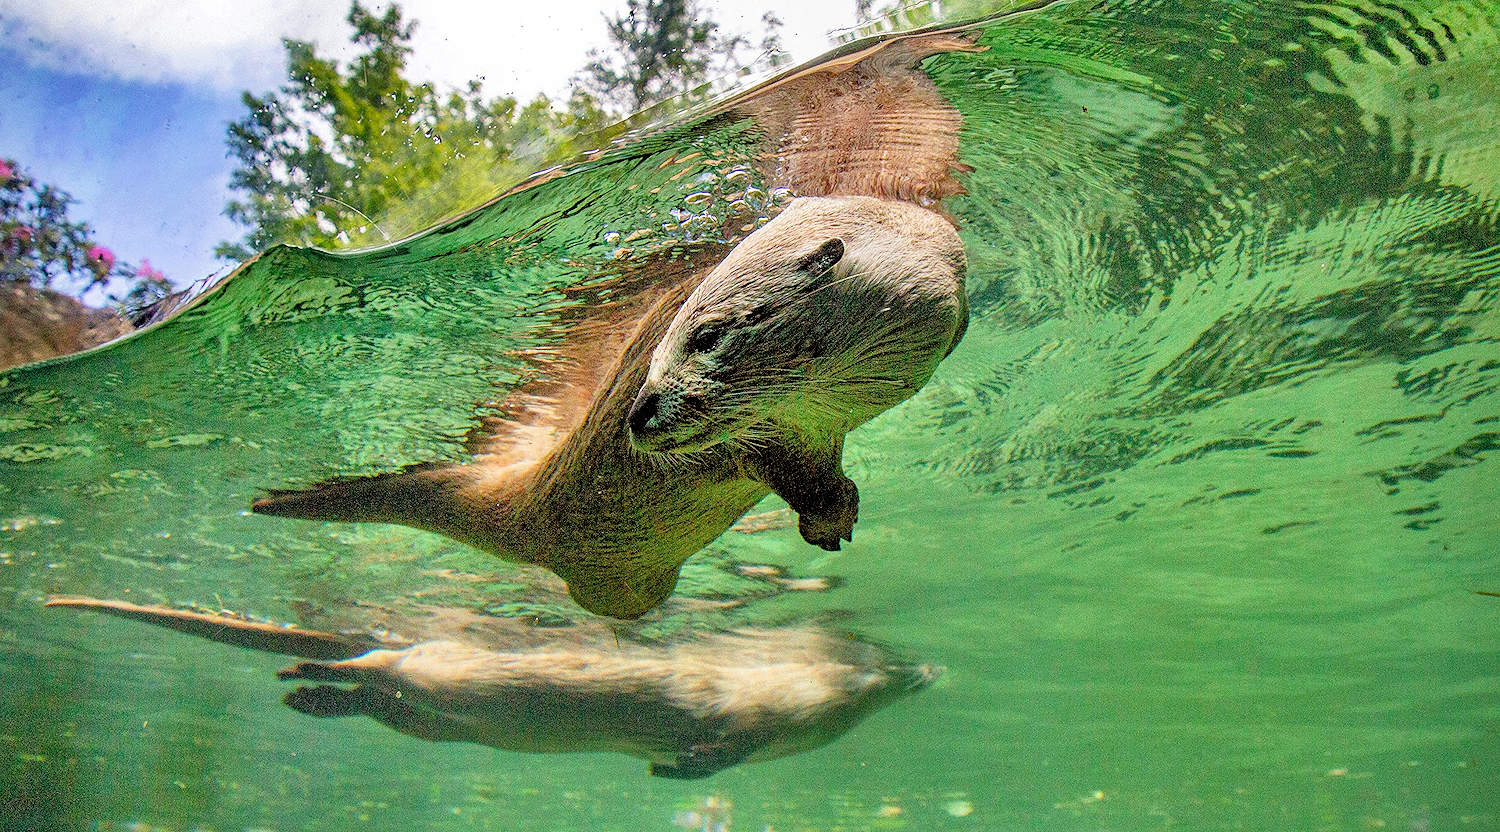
[(690, 708), (739, 371)]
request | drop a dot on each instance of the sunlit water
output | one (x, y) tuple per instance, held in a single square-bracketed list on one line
[(1194, 516)]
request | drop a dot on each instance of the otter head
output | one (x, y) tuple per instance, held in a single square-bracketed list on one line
[(744, 339), (832, 312)]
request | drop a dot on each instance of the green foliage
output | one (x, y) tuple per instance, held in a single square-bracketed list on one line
[(660, 49), (40, 244), (358, 154), (770, 42)]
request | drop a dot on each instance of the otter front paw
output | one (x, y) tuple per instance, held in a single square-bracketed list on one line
[(832, 517)]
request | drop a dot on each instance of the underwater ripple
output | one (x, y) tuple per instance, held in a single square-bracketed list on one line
[(1193, 515)]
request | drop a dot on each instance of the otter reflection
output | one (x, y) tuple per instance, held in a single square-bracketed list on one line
[(690, 708)]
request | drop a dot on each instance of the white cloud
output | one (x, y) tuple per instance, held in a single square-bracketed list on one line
[(518, 48), (205, 42)]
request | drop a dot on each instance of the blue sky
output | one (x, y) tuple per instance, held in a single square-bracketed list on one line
[(124, 105), (145, 161)]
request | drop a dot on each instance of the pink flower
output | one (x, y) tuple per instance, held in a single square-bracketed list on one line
[(101, 259), (7, 172), (148, 274)]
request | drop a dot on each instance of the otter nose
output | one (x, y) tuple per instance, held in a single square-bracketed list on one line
[(643, 412)]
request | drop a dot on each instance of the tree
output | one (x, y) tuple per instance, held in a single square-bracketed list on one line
[(661, 49), (358, 153), (770, 42), (41, 245)]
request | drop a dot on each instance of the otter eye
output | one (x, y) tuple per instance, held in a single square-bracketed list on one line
[(706, 338)]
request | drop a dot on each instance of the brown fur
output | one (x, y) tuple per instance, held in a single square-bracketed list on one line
[(868, 123), (691, 708)]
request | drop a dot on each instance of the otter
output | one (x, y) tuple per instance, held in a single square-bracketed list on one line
[(730, 385), (690, 709)]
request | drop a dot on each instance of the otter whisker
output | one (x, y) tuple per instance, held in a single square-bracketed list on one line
[(755, 439), (855, 274), (770, 380)]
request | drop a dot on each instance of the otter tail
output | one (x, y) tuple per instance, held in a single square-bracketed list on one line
[(229, 629), (423, 498)]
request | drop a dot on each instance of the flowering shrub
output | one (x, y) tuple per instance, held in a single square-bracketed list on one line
[(101, 260), (41, 246)]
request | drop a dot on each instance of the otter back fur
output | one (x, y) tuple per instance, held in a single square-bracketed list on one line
[(691, 708), (834, 311)]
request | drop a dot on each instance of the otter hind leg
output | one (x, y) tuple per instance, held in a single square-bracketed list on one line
[(330, 700), (623, 590), (383, 705)]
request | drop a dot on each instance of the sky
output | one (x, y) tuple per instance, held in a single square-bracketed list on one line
[(124, 103)]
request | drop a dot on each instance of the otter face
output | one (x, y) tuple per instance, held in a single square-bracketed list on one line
[(834, 311), (737, 349)]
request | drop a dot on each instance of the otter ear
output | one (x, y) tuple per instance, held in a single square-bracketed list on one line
[(819, 262)]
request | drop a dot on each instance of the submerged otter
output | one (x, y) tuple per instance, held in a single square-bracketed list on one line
[(730, 386), (691, 708)]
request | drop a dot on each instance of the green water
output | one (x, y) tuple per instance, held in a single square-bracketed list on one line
[(1194, 516)]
